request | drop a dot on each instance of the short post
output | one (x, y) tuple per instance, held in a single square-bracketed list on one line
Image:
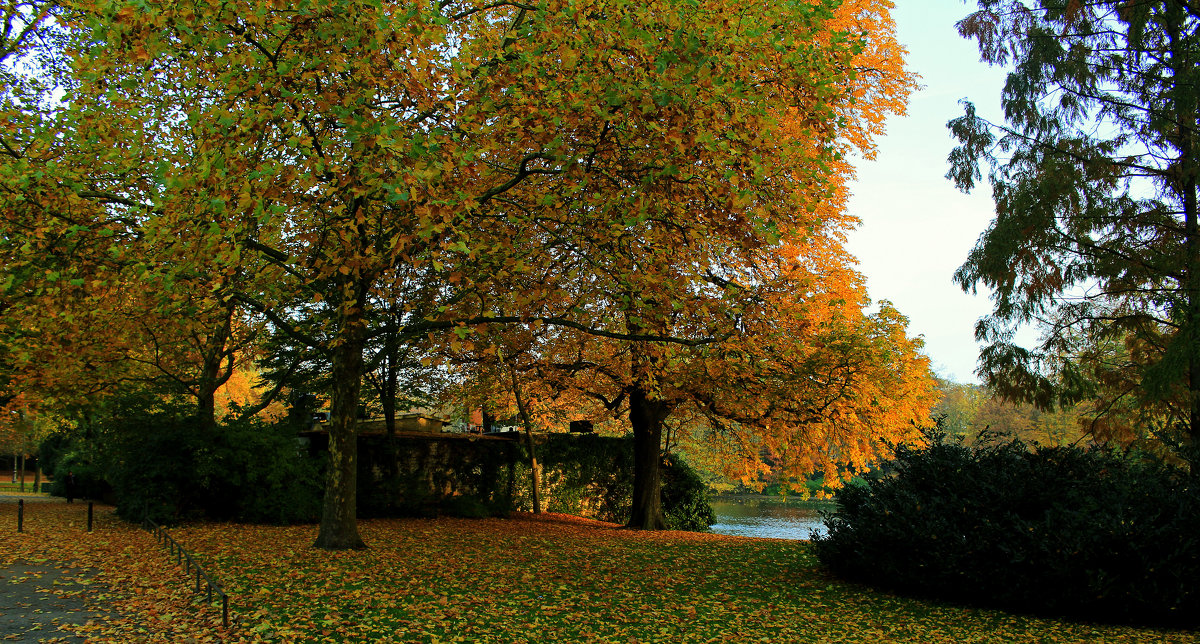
[(89, 516), (225, 609), (20, 515)]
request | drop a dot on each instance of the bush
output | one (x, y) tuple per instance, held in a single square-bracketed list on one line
[(89, 477), (1055, 530), (685, 497), (158, 463), (257, 473)]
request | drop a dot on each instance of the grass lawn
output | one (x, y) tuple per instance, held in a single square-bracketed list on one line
[(8, 487), (526, 579)]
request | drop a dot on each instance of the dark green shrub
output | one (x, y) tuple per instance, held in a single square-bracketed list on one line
[(1057, 530), (467, 507), (52, 450), (255, 472), (150, 451), (685, 496), (89, 477)]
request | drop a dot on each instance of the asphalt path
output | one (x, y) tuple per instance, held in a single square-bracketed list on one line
[(36, 597)]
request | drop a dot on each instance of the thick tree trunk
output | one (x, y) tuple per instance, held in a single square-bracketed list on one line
[(339, 518), (646, 415), (212, 375)]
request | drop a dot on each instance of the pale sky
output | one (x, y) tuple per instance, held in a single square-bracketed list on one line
[(917, 228)]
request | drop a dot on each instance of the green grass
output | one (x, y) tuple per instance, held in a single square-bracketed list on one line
[(554, 579), (9, 487), (540, 581)]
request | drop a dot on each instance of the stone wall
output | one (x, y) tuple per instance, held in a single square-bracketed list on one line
[(422, 474)]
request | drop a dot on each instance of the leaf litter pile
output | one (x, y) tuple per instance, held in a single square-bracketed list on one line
[(525, 579)]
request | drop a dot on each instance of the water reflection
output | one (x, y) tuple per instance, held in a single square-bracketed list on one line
[(771, 517)]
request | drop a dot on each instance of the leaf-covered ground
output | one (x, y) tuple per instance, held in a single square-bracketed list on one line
[(526, 579)]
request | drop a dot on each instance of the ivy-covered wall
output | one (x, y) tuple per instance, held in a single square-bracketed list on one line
[(587, 475), (426, 474)]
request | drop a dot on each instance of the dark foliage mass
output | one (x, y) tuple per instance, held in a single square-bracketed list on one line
[(685, 496), (151, 459), (1064, 531)]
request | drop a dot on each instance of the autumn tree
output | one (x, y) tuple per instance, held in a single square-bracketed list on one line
[(320, 150), (310, 154), (957, 406), (679, 265), (1094, 174), (98, 295)]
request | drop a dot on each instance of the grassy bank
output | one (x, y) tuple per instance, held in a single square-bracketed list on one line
[(527, 579)]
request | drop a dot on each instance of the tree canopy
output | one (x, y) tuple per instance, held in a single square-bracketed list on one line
[(1093, 174), (368, 180)]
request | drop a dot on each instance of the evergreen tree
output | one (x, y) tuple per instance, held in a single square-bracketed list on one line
[(1094, 179)]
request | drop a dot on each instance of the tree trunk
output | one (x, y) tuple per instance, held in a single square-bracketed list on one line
[(533, 463), (1192, 247), (646, 415), (211, 374), (1183, 64), (339, 517)]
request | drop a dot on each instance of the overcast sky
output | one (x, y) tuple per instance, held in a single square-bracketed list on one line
[(916, 227)]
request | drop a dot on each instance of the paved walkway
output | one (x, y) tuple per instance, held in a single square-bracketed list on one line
[(36, 597)]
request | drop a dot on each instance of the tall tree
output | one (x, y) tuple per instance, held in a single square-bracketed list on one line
[(335, 146), (1094, 178), (659, 276)]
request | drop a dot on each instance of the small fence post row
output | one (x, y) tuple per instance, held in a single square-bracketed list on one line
[(184, 558)]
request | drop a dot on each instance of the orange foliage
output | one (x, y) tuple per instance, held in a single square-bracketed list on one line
[(243, 389)]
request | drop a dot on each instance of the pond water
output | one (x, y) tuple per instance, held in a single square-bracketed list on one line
[(777, 518)]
